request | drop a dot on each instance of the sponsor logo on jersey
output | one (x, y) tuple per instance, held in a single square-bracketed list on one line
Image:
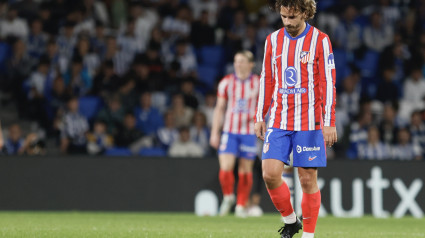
[(292, 90), (266, 147), (331, 61), (305, 56), (291, 76), (307, 149)]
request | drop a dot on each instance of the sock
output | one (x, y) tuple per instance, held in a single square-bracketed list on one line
[(290, 219), (281, 199), (310, 206), (227, 182), (307, 235), (244, 188)]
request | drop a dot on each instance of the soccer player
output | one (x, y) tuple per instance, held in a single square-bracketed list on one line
[(298, 85), (236, 102)]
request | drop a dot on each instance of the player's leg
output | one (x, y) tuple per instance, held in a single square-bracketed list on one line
[(227, 159), (276, 150), (227, 182), (244, 185), (309, 154), (247, 145), (311, 200)]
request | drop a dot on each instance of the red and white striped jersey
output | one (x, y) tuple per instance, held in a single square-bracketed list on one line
[(298, 81), (241, 96)]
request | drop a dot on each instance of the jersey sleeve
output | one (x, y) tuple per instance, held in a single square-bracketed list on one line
[(327, 81), (222, 88), (266, 83)]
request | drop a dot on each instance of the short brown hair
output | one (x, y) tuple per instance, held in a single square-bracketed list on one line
[(248, 54), (304, 6)]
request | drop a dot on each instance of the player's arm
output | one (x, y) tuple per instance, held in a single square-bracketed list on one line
[(217, 121), (327, 84), (266, 90)]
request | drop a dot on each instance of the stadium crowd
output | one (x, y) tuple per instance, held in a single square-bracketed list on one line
[(120, 77)]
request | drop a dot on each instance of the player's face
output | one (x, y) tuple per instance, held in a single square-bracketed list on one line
[(242, 64), (292, 21)]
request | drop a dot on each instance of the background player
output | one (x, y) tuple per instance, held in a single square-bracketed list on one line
[(298, 82), (236, 102)]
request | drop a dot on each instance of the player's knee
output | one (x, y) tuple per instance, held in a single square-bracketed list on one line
[(271, 178), (307, 181)]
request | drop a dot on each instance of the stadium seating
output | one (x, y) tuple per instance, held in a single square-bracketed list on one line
[(211, 56), (208, 75), (89, 106), (155, 151), (117, 151)]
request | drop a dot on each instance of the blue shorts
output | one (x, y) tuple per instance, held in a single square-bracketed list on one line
[(308, 147), (242, 146)]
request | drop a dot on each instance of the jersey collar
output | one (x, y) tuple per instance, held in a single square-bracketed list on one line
[(307, 28)]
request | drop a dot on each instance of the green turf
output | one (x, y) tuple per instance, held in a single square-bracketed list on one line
[(101, 224)]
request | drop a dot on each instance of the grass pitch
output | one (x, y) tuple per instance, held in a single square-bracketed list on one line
[(153, 225)]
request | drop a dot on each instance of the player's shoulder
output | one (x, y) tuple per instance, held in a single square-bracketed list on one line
[(256, 77), (227, 78), (274, 33)]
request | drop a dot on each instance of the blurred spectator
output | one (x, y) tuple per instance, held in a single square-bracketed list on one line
[(389, 124), (192, 98), (202, 32), (152, 58), (199, 132), (37, 39), (200, 7), (413, 93), (168, 133), (106, 81), (78, 78), (91, 60), (36, 94), (112, 114), (66, 40), (145, 20), (129, 42), (13, 25), (14, 144), (377, 35), (236, 33), (387, 90), (118, 11), (405, 149), (184, 147), (373, 149), (57, 98), (263, 30), (128, 134), (128, 94), (98, 41), (359, 132), (74, 129), (208, 107), (177, 26), (347, 35), (183, 113), (99, 140), (84, 24), (148, 118), (120, 59), (349, 98), (417, 130)]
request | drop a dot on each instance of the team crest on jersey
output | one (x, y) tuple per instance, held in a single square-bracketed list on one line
[(266, 147), (305, 56)]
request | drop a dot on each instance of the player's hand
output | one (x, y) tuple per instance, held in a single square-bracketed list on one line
[(215, 140), (329, 134), (260, 129)]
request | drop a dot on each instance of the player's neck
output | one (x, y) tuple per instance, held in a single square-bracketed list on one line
[(300, 31), (242, 76)]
